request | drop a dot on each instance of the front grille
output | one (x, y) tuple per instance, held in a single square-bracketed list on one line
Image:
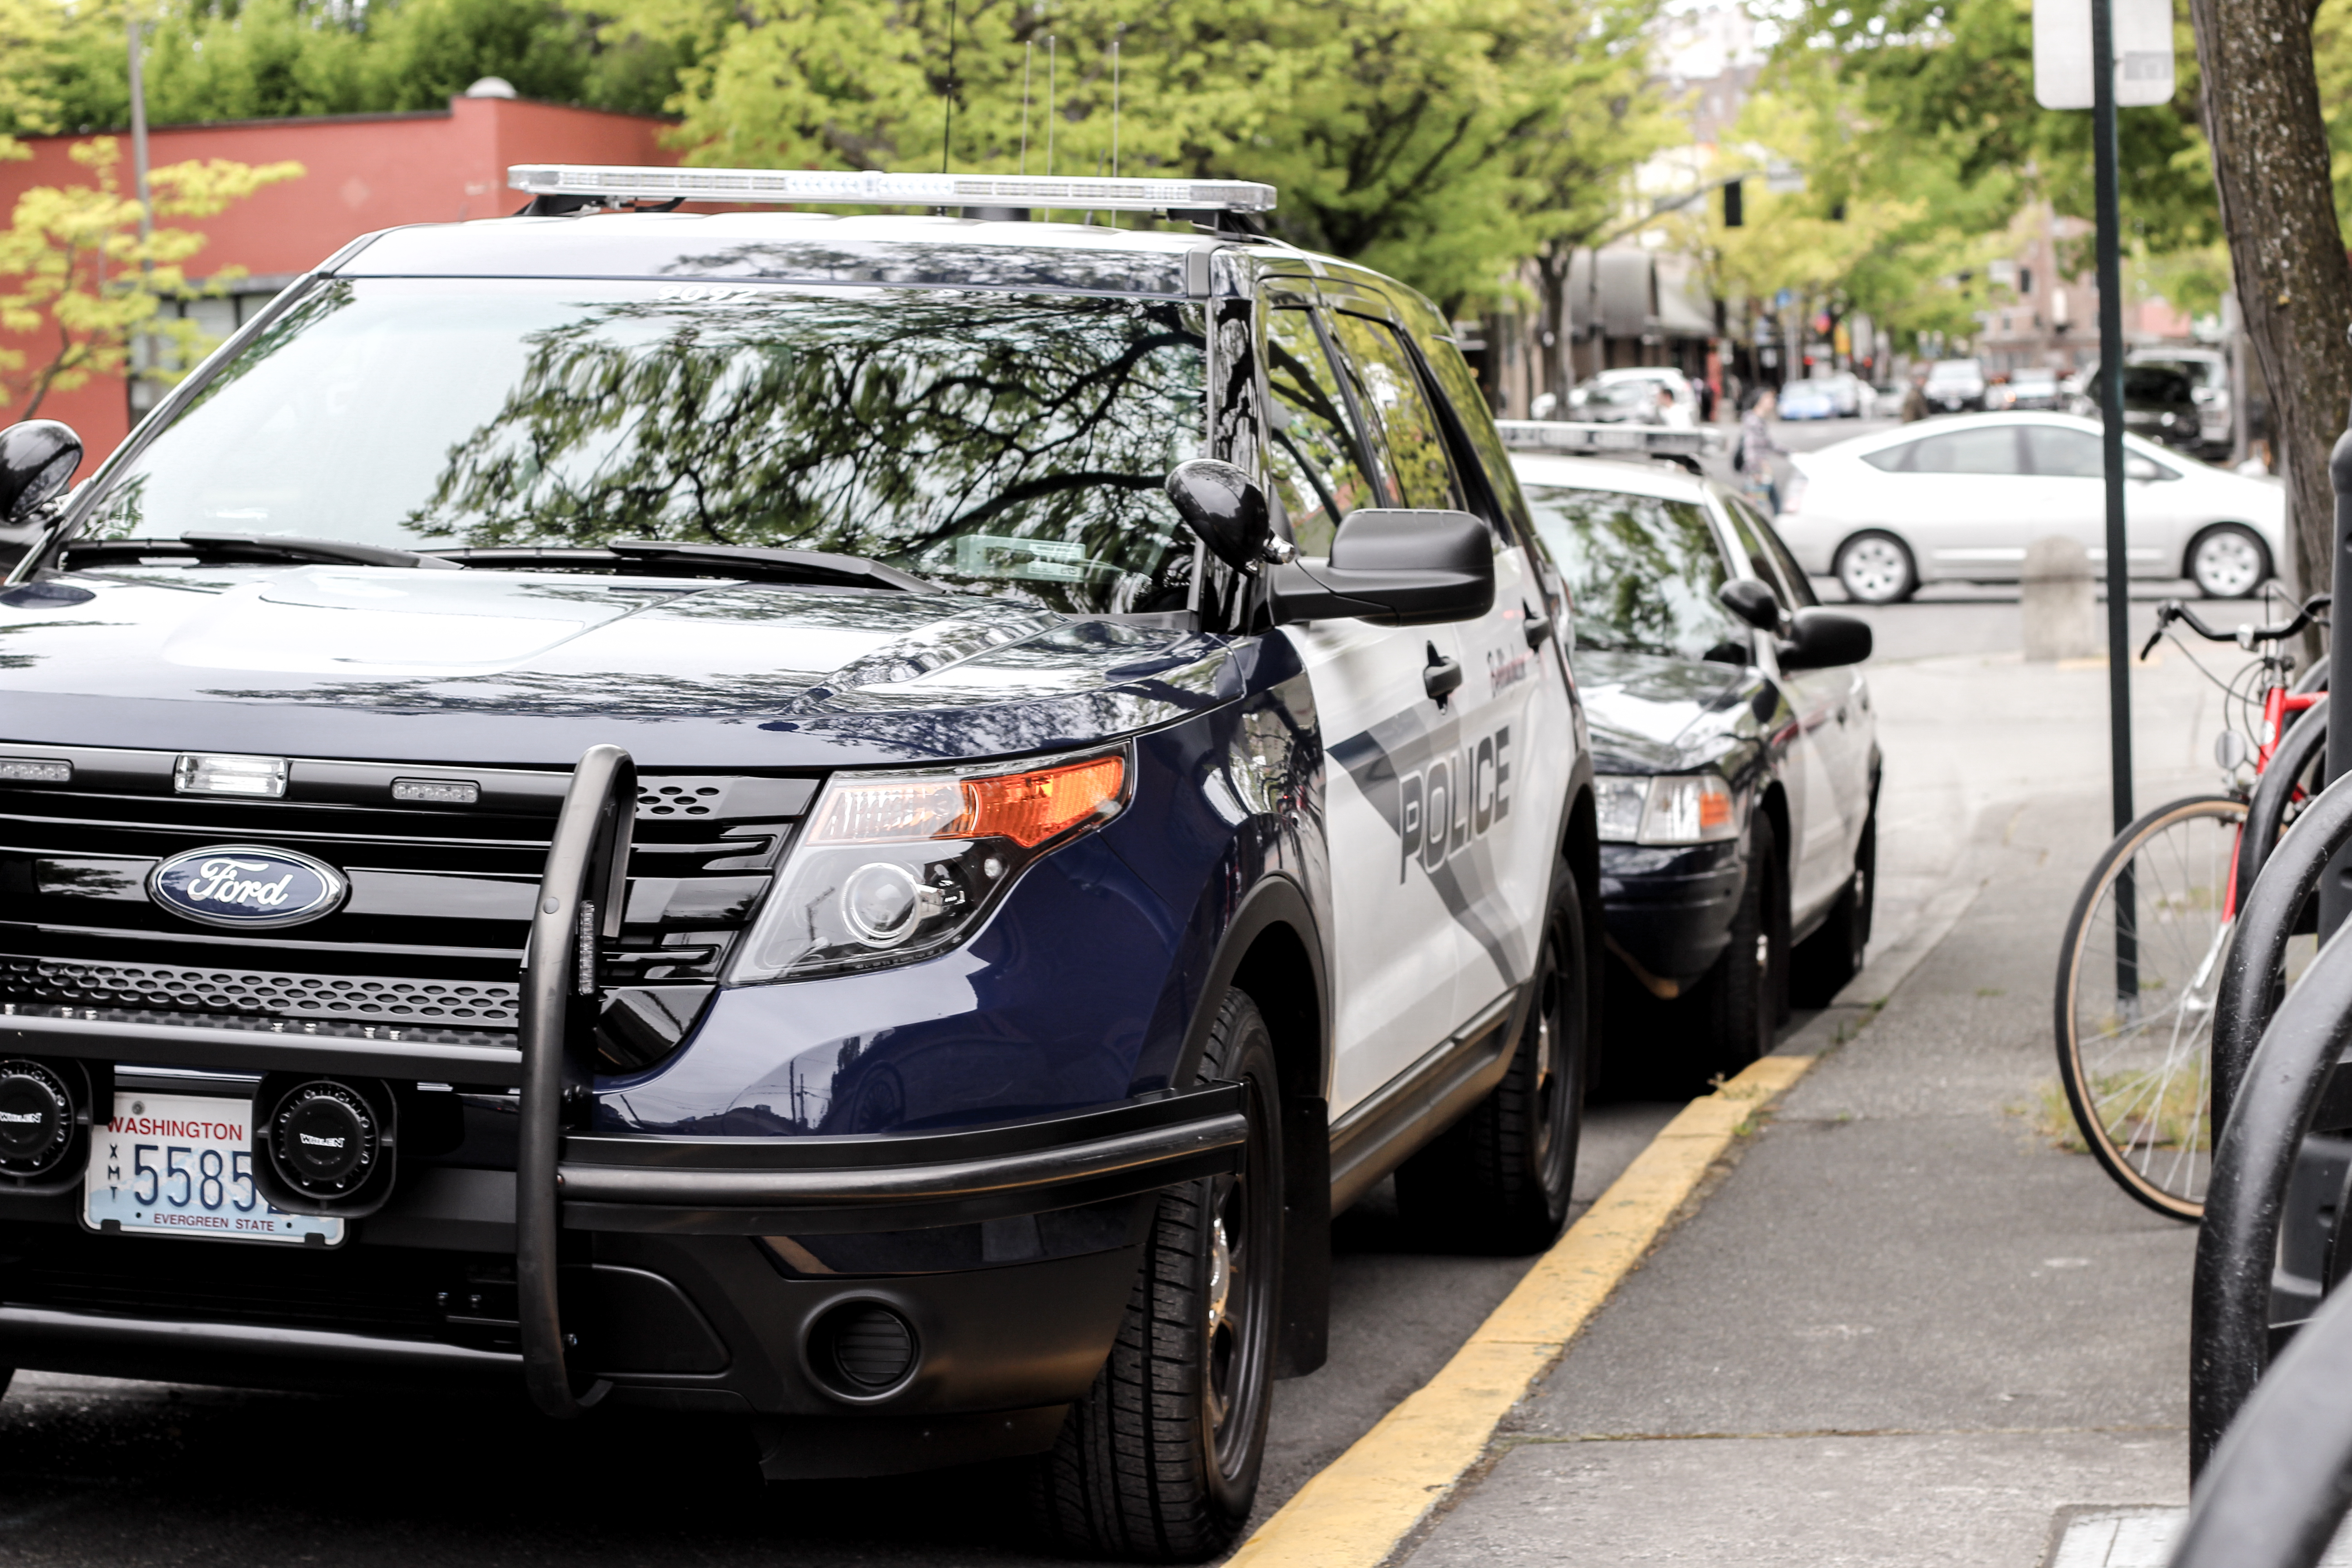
[(431, 936)]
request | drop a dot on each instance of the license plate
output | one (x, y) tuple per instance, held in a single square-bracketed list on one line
[(182, 1165)]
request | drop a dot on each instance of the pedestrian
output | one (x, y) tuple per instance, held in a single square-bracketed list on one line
[(1753, 456), (1672, 413), (1915, 398)]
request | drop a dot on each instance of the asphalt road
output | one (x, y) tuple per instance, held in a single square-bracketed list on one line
[(126, 1475)]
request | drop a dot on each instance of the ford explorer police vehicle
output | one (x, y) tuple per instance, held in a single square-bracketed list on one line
[(861, 823)]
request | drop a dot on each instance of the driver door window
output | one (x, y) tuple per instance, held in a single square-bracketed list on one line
[(1409, 444)]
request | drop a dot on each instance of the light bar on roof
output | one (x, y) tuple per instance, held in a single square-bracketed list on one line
[(832, 188), (1638, 440)]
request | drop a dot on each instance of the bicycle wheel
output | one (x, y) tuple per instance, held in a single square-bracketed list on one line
[(2136, 978)]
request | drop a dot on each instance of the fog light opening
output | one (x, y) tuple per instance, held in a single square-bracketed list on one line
[(36, 1118), (862, 1349)]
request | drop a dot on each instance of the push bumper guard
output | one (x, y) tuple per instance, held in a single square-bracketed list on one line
[(568, 1179)]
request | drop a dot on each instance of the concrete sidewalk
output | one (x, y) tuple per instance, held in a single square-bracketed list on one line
[(1906, 1330)]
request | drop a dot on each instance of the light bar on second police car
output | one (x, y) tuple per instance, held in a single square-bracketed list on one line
[(1632, 440), (855, 188)]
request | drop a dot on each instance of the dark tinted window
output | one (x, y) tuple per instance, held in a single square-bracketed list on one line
[(2056, 452), (1642, 573), (1008, 442), (1410, 443), (1767, 558), (1987, 449), (1318, 476)]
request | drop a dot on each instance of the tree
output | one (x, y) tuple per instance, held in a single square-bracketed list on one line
[(2272, 168), (78, 277), (1439, 140)]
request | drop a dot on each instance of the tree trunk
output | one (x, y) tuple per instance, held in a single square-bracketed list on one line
[(2271, 168)]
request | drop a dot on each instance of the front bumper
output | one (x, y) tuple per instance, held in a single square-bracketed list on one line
[(1668, 912), (696, 1275)]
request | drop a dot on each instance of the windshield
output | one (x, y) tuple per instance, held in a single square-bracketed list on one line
[(1007, 442), (2155, 384), (1642, 573)]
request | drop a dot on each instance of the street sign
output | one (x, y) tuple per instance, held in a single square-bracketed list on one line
[(2062, 53)]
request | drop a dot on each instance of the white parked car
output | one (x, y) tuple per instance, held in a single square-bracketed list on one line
[(1962, 497)]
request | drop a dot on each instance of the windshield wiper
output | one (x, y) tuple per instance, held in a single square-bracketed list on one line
[(634, 557), (255, 547)]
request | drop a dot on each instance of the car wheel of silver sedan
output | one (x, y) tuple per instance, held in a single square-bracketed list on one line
[(2228, 563), (1876, 569)]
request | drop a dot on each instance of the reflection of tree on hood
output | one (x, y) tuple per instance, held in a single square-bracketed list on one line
[(985, 437)]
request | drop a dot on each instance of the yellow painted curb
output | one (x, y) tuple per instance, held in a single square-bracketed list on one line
[(1353, 1513)]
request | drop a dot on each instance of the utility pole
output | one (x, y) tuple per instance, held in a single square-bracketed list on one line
[(2111, 404)]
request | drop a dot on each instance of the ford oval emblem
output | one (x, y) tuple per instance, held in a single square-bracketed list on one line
[(245, 887)]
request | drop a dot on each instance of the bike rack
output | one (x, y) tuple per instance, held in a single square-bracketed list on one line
[(2277, 1093), (581, 899), (2253, 970), (2305, 738), (2281, 1483)]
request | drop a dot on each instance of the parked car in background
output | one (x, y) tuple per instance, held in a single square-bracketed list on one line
[(1960, 499), (2207, 374), (1954, 384), (1736, 751), (2033, 387), (1808, 400), (2160, 405), (1629, 394)]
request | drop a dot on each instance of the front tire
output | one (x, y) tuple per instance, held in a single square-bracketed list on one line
[(2228, 561), (1498, 1179), (1875, 568), (1159, 1462), (1740, 1002)]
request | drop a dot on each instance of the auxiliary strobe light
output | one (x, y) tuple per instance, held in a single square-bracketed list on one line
[(36, 1118), (325, 1140), (822, 187)]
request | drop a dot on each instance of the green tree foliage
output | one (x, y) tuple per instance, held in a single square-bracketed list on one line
[(1440, 140), (258, 60)]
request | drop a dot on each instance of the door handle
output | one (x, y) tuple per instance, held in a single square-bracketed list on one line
[(1538, 627), (1441, 676)]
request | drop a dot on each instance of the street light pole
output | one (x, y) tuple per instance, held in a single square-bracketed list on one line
[(144, 345), (2111, 407)]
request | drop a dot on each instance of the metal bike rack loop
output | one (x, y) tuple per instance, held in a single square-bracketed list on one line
[(2237, 1249), (2280, 1484), (581, 899), (2270, 902)]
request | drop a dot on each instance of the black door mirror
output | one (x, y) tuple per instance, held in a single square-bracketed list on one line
[(1219, 502), (1821, 639), (1752, 601), (37, 458), (1395, 567)]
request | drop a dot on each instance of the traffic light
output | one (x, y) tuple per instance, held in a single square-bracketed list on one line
[(1735, 211)]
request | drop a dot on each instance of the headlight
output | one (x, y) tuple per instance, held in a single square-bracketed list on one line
[(896, 867), (1679, 808)]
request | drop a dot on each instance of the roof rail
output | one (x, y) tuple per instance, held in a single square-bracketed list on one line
[(1608, 440), (859, 188)]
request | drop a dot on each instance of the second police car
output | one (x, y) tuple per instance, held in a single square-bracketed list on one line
[(861, 823), (1737, 747)]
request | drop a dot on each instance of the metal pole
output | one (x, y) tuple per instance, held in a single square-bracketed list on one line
[(2111, 443)]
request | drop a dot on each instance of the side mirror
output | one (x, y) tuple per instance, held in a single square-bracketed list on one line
[(1823, 639), (1219, 502), (1753, 601), (37, 458), (1395, 567), (2138, 468)]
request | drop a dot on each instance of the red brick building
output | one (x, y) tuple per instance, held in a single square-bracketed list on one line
[(362, 172)]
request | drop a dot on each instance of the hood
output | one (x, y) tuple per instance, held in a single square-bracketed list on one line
[(1648, 713), (529, 670)]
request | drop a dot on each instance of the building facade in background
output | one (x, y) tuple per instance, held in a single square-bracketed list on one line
[(362, 173)]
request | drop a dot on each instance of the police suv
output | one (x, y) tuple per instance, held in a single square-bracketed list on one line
[(861, 823)]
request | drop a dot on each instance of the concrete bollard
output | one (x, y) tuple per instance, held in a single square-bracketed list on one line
[(2061, 616)]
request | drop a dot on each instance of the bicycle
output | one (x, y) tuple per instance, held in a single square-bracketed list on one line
[(2142, 958)]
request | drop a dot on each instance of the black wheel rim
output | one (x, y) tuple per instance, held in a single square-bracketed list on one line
[(1242, 1240), (1557, 1063)]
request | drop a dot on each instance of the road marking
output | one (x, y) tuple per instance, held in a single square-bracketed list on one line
[(1354, 1513)]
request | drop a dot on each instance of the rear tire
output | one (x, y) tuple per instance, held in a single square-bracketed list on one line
[(1742, 1001), (1159, 1462), (1876, 568), (1498, 1179), (2227, 562), (1823, 962)]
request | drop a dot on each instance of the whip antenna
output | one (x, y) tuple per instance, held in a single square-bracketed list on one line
[(1049, 105), (1028, 58), (947, 126)]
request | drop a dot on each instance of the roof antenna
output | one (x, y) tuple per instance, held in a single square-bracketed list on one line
[(1028, 58), (1114, 109), (1049, 106), (947, 126)]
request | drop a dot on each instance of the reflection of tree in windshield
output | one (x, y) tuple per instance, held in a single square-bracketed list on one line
[(1642, 573), (989, 438)]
